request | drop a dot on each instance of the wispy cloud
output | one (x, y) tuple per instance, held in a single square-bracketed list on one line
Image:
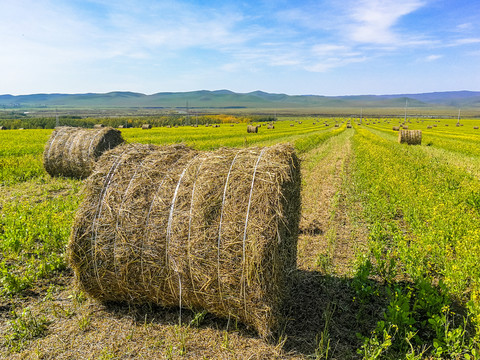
[(374, 20), (430, 58)]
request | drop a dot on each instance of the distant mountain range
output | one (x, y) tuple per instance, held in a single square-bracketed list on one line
[(228, 99)]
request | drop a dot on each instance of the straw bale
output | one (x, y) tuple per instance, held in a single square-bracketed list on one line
[(475, 127), (72, 152), (395, 128), (98, 126), (270, 126), (203, 230), (252, 129), (410, 137), (429, 127), (146, 126), (3, 128)]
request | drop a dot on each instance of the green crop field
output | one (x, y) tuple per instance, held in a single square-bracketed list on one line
[(388, 251)]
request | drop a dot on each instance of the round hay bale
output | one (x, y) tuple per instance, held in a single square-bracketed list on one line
[(270, 126), (410, 137), (395, 128), (252, 129), (475, 127), (146, 126), (98, 126), (3, 128), (205, 230), (429, 127), (72, 152)]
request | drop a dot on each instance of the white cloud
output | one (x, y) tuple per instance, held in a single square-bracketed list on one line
[(373, 20), (433, 57)]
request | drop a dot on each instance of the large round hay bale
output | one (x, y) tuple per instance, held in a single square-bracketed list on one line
[(252, 129), (72, 152), (410, 137), (203, 230)]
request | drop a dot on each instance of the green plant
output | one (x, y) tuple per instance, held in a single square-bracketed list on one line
[(25, 326)]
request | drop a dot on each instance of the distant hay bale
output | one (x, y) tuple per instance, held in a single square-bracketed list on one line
[(336, 125), (146, 126), (215, 125), (434, 125), (292, 125), (410, 137), (252, 129), (349, 126), (270, 126), (98, 126), (475, 127), (203, 230), (395, 128), (429, 127), (3, 128), (120, 126), (72, 152)]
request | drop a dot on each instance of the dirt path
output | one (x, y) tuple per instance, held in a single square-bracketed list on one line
[(329, 237)]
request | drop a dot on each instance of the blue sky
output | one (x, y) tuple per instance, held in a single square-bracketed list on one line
[(325, 47)]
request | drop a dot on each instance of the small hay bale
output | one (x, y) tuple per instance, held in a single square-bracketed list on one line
[(292, 125), (336, 125), (72, 152), (215, 125), (146, 126), (349, 126), (203, 230), (252, 129), (120, 126), (475, 127), (395, 128), (434, 125), (410, 137), (3, 128), (429, 127), (98, 126), (270, 126)]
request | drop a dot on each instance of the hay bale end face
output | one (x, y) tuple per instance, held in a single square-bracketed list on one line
[(410, 137), (72, 152), (203, 230)]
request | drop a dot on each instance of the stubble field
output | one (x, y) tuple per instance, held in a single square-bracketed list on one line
[(388, 248)]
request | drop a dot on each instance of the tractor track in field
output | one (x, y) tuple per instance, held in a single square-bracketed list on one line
[(330, 235)]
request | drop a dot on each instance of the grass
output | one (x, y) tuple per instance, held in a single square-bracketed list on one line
[(387, 270)]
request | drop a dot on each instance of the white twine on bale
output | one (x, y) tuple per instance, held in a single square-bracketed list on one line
[(51, 144), (75, 140), (169, 232), (107, 182), (91, 143), (118, 219), (220, 227), (190, 226), (245, 230)]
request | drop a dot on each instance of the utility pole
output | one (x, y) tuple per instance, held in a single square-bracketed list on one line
[(57, 122), (406, 105)]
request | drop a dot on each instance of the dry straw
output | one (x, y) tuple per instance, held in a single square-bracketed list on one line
[(202, 230), (72, 152), (270, 126), (252, 129), (146, 126), (410, 137), (395, 128)]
